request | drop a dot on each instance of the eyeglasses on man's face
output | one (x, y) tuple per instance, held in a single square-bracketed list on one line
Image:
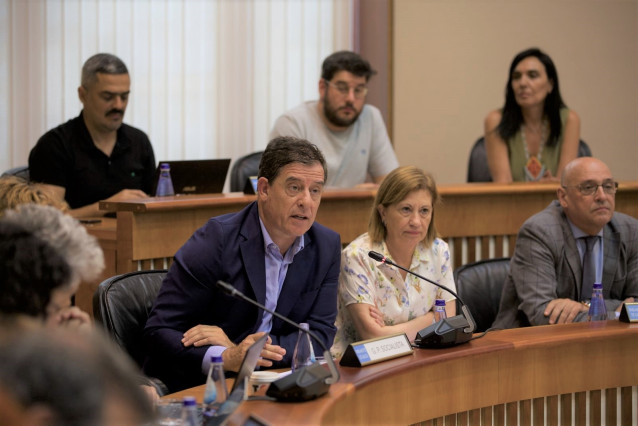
[(359, 91), (590, 187)]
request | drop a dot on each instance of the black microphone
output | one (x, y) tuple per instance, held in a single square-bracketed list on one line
[(448, 332), (308, 382)]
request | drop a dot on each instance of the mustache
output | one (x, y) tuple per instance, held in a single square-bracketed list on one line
[(115, 111)]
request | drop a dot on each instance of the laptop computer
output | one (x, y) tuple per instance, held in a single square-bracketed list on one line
[(196, 176)]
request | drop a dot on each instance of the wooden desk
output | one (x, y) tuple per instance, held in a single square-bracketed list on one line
[(499, 377), (478, 220)]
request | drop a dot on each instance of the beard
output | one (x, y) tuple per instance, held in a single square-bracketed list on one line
[(331, 114)]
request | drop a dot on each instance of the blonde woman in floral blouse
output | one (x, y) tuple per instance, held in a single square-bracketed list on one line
[(377, 299)]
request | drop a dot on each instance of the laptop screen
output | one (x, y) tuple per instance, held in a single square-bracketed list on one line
[(196, 176)]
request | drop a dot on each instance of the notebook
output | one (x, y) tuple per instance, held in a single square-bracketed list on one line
[(196, 176)]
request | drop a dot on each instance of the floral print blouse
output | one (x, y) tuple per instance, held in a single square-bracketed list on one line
[(364, 280)]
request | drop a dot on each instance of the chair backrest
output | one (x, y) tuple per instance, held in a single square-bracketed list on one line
[(243, 168), (20, 171), (122, 304), (477, 168), (479, 171), (479, 285)]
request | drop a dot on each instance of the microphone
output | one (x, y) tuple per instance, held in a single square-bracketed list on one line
[(448, 332), (308, 382)]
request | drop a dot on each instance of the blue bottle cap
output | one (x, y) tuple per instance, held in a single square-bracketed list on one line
[(439, 302), (189, 401), (598, 286), (216, 359)]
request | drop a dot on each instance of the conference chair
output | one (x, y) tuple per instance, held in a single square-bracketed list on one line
[(479, 171), (479, 285), (243, 168), (122, 304), (20, 171)]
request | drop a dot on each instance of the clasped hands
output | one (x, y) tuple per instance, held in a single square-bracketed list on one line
[(203, 335), (562, 311)]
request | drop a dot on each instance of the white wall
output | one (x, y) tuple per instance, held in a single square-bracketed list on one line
[(451, 60)]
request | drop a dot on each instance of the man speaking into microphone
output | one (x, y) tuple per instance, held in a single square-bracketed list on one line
[(273, 252)]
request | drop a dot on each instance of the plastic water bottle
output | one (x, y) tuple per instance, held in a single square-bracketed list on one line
[(304, 353), (165, 183), (189, 412), (597, 310), (439, 310), (216, 391)]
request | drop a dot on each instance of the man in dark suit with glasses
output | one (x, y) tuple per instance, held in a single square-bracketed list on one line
[(578, 240)]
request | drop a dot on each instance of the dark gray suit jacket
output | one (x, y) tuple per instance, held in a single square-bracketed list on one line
[(546, 265)]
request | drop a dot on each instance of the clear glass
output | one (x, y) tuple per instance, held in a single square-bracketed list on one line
[(216, 391), (597, 310), (304, 353), (439, 310), (168, 412), (165, 183)]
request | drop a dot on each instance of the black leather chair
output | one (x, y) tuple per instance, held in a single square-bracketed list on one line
[(243, 168), (479, 171), (122, 305), (479, 285), (20, 171)]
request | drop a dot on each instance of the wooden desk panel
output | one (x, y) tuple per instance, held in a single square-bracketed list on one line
[(485, 378), (478, 220)]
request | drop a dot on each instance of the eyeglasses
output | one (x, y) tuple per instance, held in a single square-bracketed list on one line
[(589, 188), (359, 91)]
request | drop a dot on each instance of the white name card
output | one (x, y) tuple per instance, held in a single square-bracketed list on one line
[(366, 352), (629, 312)]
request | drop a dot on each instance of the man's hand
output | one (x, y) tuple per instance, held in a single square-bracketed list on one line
[(202, 335), (70, 317), (233, 356), (627, 300), (562, 311)]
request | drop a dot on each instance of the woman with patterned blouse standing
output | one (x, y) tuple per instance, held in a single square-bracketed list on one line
[(378, 299)]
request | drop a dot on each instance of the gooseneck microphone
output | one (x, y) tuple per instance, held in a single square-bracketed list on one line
[(448, 332), (306, 383)]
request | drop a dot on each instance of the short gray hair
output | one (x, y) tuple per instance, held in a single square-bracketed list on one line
[(101, 63), (65, 235)]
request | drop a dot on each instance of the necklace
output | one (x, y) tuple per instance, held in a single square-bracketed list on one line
[(534, 169)]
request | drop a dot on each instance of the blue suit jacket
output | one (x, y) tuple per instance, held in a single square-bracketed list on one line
[(231, 248)]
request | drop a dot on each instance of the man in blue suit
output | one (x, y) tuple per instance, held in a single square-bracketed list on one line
[(273, 252)]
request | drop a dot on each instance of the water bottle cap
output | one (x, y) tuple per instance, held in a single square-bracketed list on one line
[(189, 401), (216, 359), (165, 166), (439, 302), (598, 286), (305, 326)]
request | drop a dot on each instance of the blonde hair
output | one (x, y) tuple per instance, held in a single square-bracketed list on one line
[(394, 188), (15, 191)]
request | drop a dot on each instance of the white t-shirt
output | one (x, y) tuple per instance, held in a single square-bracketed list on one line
[(350, 155)]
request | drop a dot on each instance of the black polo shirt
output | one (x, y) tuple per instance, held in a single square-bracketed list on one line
[(66, 156)]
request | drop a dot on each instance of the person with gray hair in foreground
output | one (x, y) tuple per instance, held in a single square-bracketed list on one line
[(95, 156), (71, 242)]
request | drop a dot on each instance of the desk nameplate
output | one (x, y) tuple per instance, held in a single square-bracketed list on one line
[(366, 352), (629, 312)]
